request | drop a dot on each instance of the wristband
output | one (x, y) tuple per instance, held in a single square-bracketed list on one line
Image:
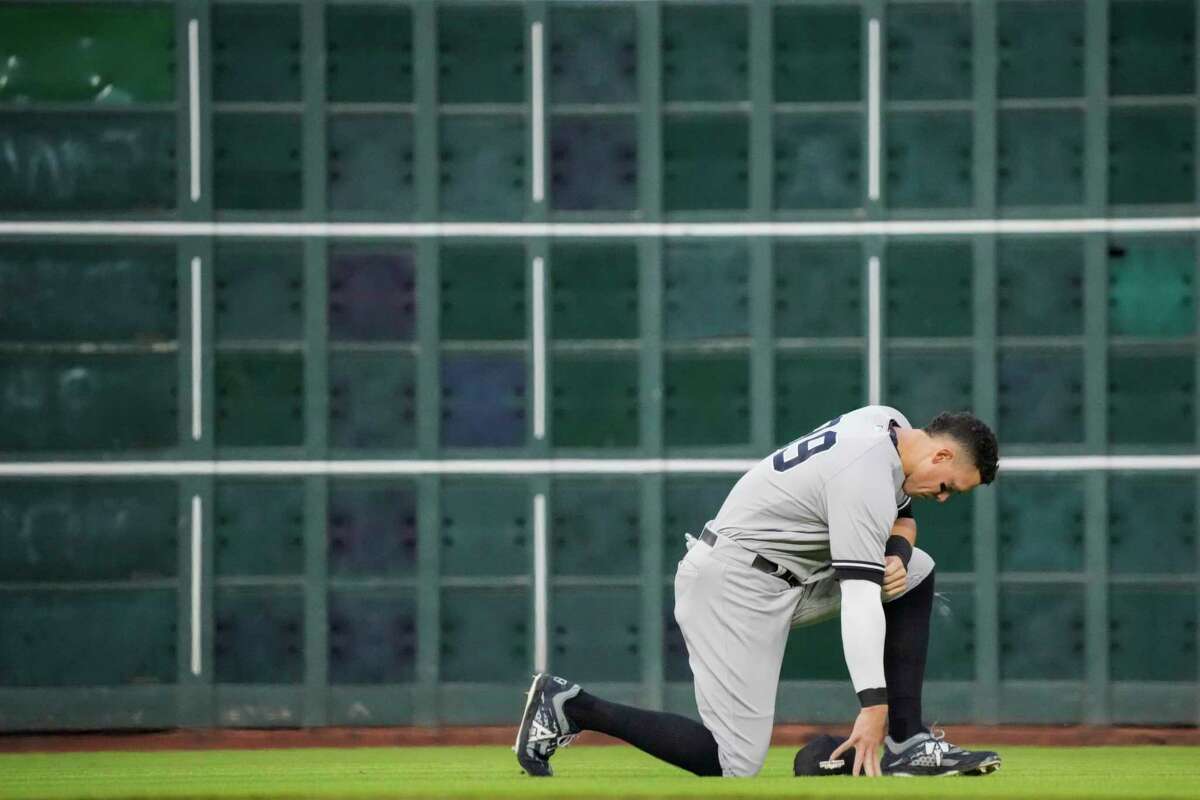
[(898, 546), (873, 697)]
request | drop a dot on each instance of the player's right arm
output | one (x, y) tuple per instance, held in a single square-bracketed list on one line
[(861, 512)]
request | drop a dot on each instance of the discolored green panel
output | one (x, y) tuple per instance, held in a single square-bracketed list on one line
[(1152, 47), (83, 401), (1039, 286), (372, 528), (111, 54), (814, 653), (951, 655), (485, 635), (256, 161), (928, 51), (69, 161), (1151, 523), (1041, 632), (481, 53), (593, 162), (706, 291), (88, 530), (260, 399), (929, 289), (818, 289), (1040, 157), (929, 159), (594, 400), (707, 399), (128, 636), (705, 52), (818, 160), (813, 387), (1151, 155), (1040, 395), (372, 293), (483, 291), (593, 53), (256, 52), (369, 53), (922, 384), (594, 290), (372, 636), (259, 634), (1151, 397), (595, 633), (1151, 287), (371, 163), (705, 162), (53, 292), (258, 527), (595, 527), (1041, 523), (259, 291), (486, 527), (1040, 48), (818, 53), (372, 400), (688, 503), (483, 166), (1162, 651), (947, 532), (483, 400)]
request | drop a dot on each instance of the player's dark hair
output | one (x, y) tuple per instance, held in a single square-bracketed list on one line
[(973, 434)]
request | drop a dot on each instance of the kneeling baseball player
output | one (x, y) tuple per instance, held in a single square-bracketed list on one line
[(823, 525)]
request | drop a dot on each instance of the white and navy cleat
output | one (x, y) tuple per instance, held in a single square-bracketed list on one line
[(544, 726)]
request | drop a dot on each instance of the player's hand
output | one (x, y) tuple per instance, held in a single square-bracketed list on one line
[(866, 739), (895, 577)]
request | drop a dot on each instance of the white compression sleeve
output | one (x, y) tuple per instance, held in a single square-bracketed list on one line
[(863, 630)]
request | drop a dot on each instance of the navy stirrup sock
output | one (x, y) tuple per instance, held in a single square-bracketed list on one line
[(904, 650)]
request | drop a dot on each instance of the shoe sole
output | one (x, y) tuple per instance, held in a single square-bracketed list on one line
[(986, 767), (533, 767)]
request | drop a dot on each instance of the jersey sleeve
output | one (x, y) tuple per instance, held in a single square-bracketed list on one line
[(861, 507)]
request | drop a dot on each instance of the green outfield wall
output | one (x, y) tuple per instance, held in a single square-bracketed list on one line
[(357, 358)]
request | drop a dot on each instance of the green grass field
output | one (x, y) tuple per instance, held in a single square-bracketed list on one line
[(492, 772)]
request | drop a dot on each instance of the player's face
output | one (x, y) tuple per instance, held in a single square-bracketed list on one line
[(948, 471)]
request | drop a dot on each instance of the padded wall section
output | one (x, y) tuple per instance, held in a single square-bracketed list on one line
[(705, 52), (79, 53), (814, 653), (372, 528), (53, 292), (260, 399), (706, 399), (817, 53), (1041, 632), (372, 400), (924, 384), (593, 162), (128, 636), (929, 159), (706, 290), (1040, 49), (595, 399), (1039, 287), (818, 160), (258, 291), (947, 531), (370, 163), (482, 161), (1151, 523), (257, 161), (929, 289), (1151, 396), (483, 400), (593, 53), (487, 528), (88, 162), (1040, 157), (485, 635), (1152, 47), (929, 51), (706, 163), (1151, 155), (688, 503), (256, 52), (369, 54), (595, 527), (595, 633), (372, 636), (88, 530), (80, 401), (481, 54), (951, 655), (1162, 651), (594, 290), (1041, 523), (1040, 395), (483, 291), (1151, 287), (818, 289), (258, 635), (372, 293), (258, 527)]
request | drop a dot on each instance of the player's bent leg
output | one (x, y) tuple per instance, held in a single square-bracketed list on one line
[(734, 620)]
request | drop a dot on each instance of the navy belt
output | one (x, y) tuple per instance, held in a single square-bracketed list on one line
[(761, 564)]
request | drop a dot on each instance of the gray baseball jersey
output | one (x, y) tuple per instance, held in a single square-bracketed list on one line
[(826, 501)]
